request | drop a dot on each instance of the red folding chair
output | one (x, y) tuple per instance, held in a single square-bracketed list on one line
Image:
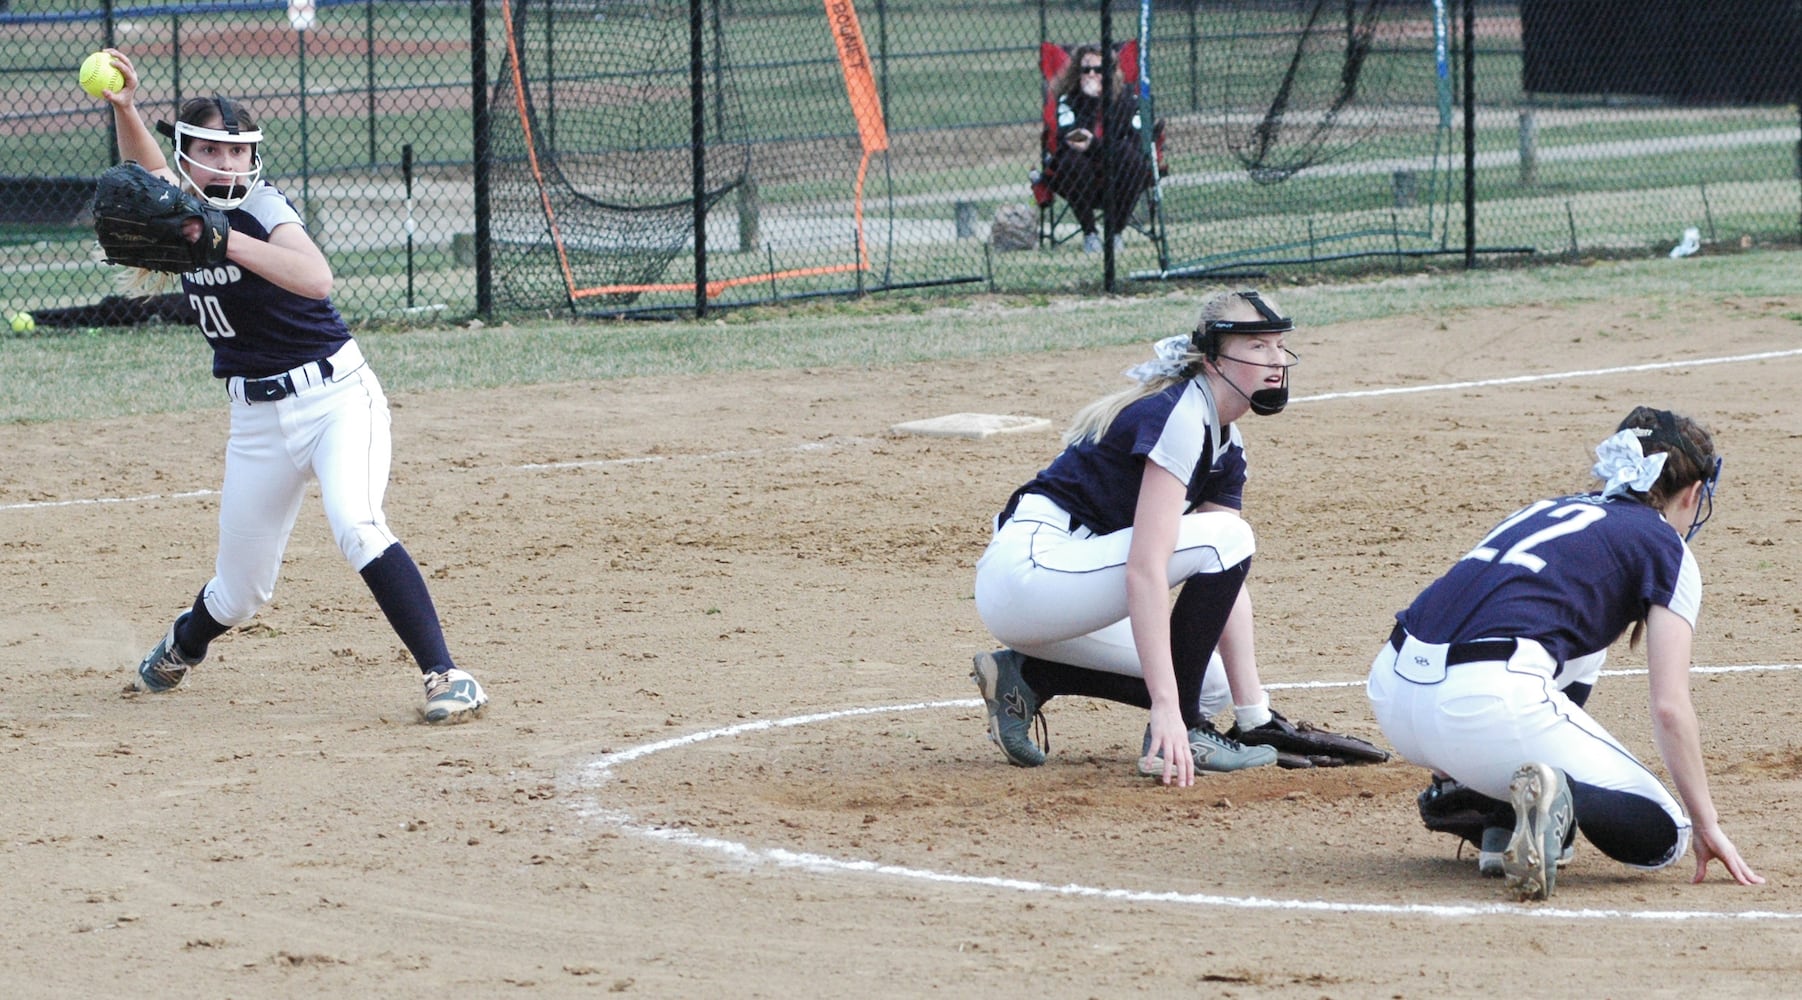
[(1052, 59)]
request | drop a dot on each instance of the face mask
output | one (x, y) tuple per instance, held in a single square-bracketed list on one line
[(1705, 506), (1267, 401), (229, 195)]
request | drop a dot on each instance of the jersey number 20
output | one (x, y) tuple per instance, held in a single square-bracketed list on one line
[(212, 318)]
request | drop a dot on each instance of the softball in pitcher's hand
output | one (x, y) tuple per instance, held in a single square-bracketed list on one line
[(99, 75)]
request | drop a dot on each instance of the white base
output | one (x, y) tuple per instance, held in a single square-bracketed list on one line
[(975, 426)]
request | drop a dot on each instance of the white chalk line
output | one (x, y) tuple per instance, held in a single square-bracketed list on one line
[(1550, 377), (599, 463), (831, 443), (599, 771), (144, 498), (715, 456)]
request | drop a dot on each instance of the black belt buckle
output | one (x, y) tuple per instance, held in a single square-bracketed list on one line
[(268, 390)]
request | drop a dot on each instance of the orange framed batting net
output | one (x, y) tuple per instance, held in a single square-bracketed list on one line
[(598, 198)]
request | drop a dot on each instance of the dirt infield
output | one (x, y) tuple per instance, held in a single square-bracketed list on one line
[(635, 567)]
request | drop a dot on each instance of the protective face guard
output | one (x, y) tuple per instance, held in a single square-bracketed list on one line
[(219, 195), (1705, 509), (1667, 432), (1264, 402)]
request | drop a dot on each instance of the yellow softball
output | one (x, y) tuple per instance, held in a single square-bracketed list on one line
[(23, 322), (98, 74)]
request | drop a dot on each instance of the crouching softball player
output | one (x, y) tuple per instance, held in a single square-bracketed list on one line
[(1472, 680), (1145, 497), (304, 404)]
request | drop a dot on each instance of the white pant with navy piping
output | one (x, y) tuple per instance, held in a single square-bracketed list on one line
[(335, 430), (1478, 722), (1057, 593)]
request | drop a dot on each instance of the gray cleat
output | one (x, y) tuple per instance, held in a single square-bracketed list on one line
[(1012, 705), (165, 667), (1489, 854), (1212, 752), (1544, 813), (1495, 842), (453, 696)]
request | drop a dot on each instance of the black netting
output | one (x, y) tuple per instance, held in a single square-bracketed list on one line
[(1313, 129), (593, 181), (1306, 70)]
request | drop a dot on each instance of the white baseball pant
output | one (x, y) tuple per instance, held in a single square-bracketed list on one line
[(1057, 593)]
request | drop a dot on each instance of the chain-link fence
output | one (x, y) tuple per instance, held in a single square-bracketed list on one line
[(366, 106), (603, 156)]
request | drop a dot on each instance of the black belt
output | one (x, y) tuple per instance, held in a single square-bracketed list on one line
[(1479, 651), (278, 387), (268, 390)]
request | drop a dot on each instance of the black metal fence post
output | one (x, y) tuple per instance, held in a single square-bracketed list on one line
[(481, 154), (1470, 134), (697, 111), (109, 40), (1109, 224)]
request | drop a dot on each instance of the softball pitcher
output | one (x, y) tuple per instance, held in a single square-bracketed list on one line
[(304, 404), (1469, 683)]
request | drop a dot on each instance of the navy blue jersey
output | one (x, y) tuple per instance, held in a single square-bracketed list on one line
[(256, 327), (1178, 428), (1572, 573)]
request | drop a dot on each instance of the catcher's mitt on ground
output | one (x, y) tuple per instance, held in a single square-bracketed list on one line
[(141, 221), (1303, 744), (1449, 807)]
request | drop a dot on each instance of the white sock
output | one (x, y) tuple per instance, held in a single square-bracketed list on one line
[(1252, 716)]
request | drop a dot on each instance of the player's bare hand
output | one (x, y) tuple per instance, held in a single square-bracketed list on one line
[(126, 95), (1170, 744), (1712, 844)]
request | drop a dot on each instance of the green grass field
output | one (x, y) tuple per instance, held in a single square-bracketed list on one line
[(106, 374)]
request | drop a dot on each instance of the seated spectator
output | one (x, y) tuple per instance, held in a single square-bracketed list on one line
[(1099, 162)]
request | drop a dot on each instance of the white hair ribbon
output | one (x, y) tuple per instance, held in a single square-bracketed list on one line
[(1622, 465), (1171, 361)]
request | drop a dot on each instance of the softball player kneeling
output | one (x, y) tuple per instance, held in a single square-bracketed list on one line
[(1471, 682), (1145, 497)]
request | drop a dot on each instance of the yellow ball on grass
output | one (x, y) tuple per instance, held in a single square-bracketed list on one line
[(23, 323)]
